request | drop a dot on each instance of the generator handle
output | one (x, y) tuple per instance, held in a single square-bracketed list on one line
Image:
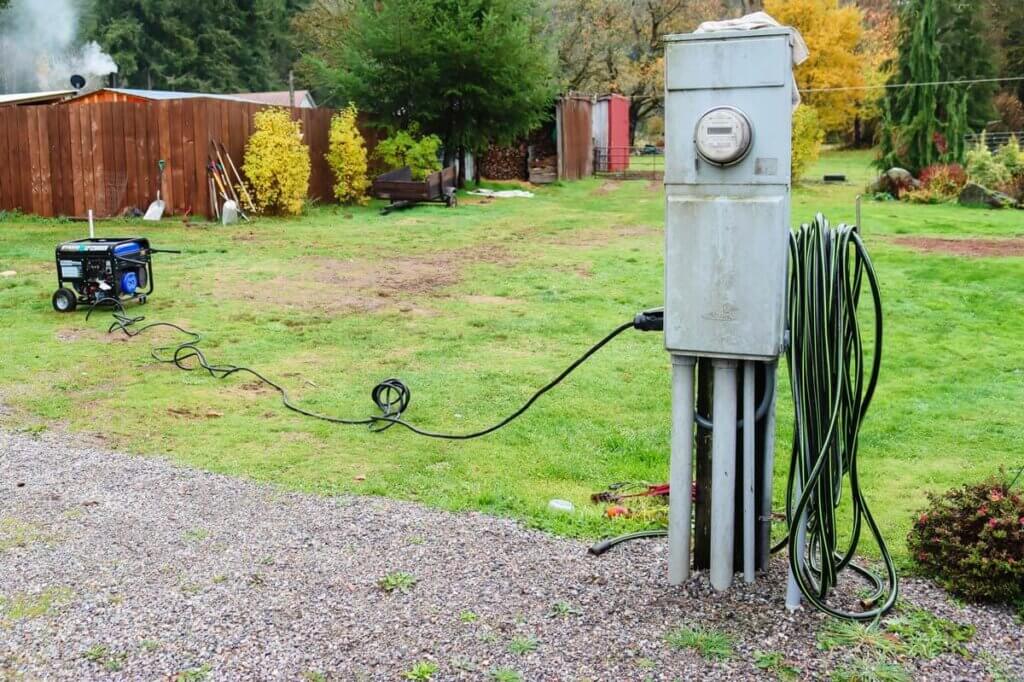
[(164, 251)]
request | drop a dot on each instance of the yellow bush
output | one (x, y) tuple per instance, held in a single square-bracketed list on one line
[(346, 155), (277, 163), (807, 138)]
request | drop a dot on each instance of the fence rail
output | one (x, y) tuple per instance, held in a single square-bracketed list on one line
[(64, 159), (995, 140), (630, 162)]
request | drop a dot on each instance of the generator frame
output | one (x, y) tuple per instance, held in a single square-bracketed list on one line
[(82, 253)]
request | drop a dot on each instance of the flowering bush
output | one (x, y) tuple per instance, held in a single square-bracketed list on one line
[(971, 540), (346, 155), (939, 182), (277, 163)]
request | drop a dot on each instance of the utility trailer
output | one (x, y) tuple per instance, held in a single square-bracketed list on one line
[(399, 187)]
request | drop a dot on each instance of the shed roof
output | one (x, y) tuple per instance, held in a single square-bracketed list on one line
[(173, 94), (282, 98), (35, 97)]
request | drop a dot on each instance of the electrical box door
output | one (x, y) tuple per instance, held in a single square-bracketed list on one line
[(725, 276)]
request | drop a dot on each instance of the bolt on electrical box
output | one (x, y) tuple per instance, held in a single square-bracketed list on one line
[(728, 113)]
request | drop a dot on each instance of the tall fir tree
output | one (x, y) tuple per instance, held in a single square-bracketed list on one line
[(925, 123), (200, 45)]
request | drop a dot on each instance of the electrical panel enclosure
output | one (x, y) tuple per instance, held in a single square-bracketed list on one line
[(728, 114)]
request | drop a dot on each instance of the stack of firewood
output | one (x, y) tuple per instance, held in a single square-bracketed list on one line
[(504, 163)]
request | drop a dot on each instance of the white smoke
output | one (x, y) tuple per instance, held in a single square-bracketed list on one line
[(38, 48)]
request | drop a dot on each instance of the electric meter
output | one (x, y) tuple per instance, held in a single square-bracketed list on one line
[(723, 136)]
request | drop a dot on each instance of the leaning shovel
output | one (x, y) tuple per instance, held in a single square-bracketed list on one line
[(156, 209)]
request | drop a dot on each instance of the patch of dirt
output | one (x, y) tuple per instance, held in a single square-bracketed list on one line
[(185, 413), (491, 300), (972, 248), (655, 185), (100, 335), (607, 187), (601, 236), (333, 285)]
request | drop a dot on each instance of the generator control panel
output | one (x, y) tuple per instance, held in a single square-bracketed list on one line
[(728, 116)]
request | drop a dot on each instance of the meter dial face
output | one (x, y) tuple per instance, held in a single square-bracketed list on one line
[(723, 136)]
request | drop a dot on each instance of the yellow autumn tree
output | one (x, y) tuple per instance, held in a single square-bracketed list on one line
[(833, 35), (807, 138), (346, 155), (277, 163)]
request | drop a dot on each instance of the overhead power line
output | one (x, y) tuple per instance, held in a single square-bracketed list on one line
[(891, 86)]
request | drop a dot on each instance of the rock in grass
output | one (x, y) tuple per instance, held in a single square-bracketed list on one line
[(974, 194)]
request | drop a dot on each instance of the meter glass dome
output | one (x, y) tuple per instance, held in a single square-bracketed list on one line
[(723, 136)]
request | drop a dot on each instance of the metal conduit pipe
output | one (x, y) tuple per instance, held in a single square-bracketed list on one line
[(723, 474), (749, 521), (680, 469)]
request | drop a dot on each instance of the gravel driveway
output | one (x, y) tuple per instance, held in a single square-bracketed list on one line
[(116, 566)]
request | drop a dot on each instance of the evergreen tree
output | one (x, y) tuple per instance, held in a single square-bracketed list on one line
[(940, 40), (200, 45), (469, 71)]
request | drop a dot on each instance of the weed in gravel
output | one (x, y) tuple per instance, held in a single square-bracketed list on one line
[(314, 676), (219, 578), (775, 663), (869, 670), (997, 670), (468, 617), (709, 643), (646, 664), (866, 637), (197, 674), (488, 637), (267, 561), (464, 664), (925, 635), (506, 675), (148, 645), (561, 609), (523, 645), (398, 580), (101, 654), (422, 671), (415, 540), (22, 606), (16, 533), (196, 534)]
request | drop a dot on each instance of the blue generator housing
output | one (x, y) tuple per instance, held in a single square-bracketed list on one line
[(90, 270)]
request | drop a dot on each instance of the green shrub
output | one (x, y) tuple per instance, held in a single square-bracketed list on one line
[(984, 168), (404, 148), (1012, 157), (346, 155), (971, 540), (277, 163), (807, 138)]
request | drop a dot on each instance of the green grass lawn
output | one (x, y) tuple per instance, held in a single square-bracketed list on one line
[(475, 308)]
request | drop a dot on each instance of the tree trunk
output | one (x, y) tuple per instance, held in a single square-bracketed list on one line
[(462, 167)]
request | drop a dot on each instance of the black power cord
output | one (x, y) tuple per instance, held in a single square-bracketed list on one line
[(391, 396)]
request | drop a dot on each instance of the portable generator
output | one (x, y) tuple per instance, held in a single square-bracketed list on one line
[(90, 270)]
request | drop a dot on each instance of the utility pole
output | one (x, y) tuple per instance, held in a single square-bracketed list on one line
[(291, 88)]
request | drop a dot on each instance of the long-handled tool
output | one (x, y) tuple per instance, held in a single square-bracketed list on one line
[(156, 209), (238, 177)]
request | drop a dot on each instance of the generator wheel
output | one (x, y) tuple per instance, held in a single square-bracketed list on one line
[(452, 200), (64, 301)]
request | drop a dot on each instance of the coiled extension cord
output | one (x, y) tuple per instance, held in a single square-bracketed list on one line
[(826, 359)]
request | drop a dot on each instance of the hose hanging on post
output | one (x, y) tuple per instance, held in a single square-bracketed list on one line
[(826, 359)]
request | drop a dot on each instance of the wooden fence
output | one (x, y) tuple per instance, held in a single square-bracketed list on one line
[(64, 159)]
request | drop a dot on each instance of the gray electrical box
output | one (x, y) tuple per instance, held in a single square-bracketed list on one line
[(728, 114)]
